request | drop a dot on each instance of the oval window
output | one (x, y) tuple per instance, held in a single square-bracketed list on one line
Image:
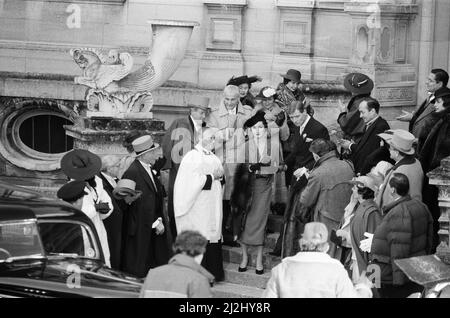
[(46, 133)]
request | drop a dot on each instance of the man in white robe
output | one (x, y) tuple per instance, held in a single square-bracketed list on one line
[(198, 192)]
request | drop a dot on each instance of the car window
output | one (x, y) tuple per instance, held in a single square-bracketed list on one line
[(19, 239), (62, 237)]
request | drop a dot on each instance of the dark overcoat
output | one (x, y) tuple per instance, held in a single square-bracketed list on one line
[(143, 249)]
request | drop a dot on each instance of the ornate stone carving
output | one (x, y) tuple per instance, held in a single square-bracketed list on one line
[(114, 90)]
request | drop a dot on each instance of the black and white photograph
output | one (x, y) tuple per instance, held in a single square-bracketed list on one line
[(234, 151)]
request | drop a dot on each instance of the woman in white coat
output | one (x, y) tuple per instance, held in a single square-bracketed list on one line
[(83, 165)]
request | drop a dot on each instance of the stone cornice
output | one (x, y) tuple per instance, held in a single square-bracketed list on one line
[(297, 4), (111, 2), (222, 3)]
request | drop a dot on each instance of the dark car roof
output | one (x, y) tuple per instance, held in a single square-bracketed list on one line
[(18, 203)]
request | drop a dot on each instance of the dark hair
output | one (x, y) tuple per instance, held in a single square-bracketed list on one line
[(366, 193), (440, 76), (446, 100), (190, 242), (322, 146), (372, 103), (286, 80), (129, 138), (301, 108), (400, 183)]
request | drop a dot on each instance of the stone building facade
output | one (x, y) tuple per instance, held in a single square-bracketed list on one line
[(394, 42)]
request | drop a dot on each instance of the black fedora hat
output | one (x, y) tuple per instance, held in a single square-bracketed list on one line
[(358, 83), (293, 75), (80, 164)]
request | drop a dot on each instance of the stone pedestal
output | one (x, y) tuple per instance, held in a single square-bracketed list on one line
[(104, 136), (380, 33), (440, 177)]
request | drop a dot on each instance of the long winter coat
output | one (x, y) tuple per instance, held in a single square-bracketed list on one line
[(366, 219), (436, 145), (328, 190), (405, 231), (411, 168), (143, 249), (220, 118), (369, 142)]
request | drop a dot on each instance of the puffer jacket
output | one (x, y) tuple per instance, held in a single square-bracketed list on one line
[(405, 231)]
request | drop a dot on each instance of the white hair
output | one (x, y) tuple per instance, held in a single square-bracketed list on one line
[(232, 90)]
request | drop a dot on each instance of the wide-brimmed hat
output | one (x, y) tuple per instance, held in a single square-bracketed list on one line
[(126, 188), (244, 79), (80, 164), (266, 92), (199, 102), (293, 75), (366, 182), (144, 144), (358, 83), (72, 191), (259, 116), (441, 92), (400, 139)]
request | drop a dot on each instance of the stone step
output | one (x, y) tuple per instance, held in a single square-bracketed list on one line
[(230, 290), (248, 278), (234, 255)]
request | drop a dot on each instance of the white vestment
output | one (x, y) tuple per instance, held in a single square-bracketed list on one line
[(195, 208)]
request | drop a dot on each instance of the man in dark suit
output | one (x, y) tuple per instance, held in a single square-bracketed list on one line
[(305, 130), (113, 224), (418, 119), (179, 139), (147, 241), (370, 141)]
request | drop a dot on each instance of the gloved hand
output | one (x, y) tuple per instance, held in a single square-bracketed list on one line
[(366, 245), (280, 119), (255, 167)]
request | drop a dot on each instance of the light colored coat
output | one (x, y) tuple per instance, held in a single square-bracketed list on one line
[(231, 128), (410, 167), (328, 190), (182, 277), (88, 207), (196, 207), (312, 275)]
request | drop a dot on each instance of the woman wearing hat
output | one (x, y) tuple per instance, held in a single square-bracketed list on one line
[(83, 165), (262, 162), (351, 123), (432, 148), (401, 150), (365, 220), (245, 83), (288, 91), (312, 273)]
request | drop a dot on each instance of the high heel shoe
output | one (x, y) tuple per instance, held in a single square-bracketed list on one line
[(259, 271), (242, 269)]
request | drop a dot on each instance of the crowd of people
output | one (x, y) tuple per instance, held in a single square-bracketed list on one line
[(360, 202)]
